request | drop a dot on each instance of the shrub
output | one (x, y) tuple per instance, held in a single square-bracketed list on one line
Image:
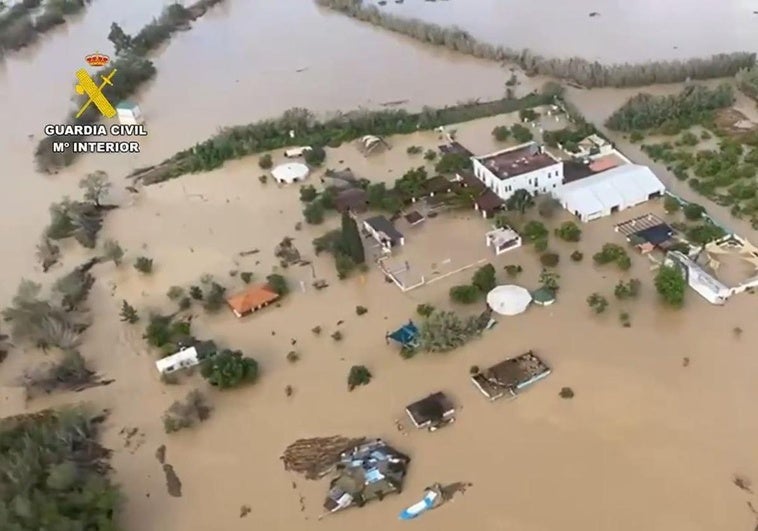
[(186, 413), (577, 256), (569, 232), (636, 136), (358, 375), (265, 161), (246, 277), (540, 245), (474, 369), (263, 179), (452, 162), (144, 265), (534, 231), (465, 294), (337, 335), (548, 206), (549, 259), (528, 115), (214, 298), (625, 320), (430, 155), (611, 252), (293, 356), (185, 303), (414, 150), (424, 310), (513, 270), (113, 251), (196, 293), (597, 302), (360, 310), (688, 139), (671, 204), (703, 233), (521, 133), (316, 330), (175, 293), (671, 285), (549, 279), (627, 290), (566, 392), (344, 265)]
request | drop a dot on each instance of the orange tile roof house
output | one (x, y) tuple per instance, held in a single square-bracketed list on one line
[(251, 300)]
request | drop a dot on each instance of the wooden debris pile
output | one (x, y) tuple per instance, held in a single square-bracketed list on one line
[(315, 457)]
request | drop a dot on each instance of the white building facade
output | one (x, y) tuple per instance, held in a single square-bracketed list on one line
[(526, 167)]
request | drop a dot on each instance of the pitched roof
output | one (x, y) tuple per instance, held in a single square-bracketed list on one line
[(382, 224), (489, 201), (252, 298)]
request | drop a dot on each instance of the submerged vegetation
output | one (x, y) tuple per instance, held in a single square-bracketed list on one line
[(240, 141), (55, 473), (576, 69), (133, 67), (23, 22)]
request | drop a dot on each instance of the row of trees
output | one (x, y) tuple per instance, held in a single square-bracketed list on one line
[(266, 135), (747, 81), (23, 22), (672, 113), (55, 474), (133, 70), (576, 69)]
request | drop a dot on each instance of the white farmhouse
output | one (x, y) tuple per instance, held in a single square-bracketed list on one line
[(528, 167)]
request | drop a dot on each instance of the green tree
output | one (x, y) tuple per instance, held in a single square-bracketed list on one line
[(314, 213), (358, 375), (121, 41), (424, 310), (703, 233), (443, 331), (229, 369), (627, 290), (351, 239), (535, 231), (343, 264), (521, 133), (278, 283), (484, 278), (671, 285), (549, 259), (375, 194), (128, 313), (452, 163), (308, 193), (501, 133), (569, 232), (96, 186), (465, 294), (597, 302), (693, 211), (214, 299), (549, 279), (671, 204), (315, 156), (113, 251), (520, 201), (265, 161)]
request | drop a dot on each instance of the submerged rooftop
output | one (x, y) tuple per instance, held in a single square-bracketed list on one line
[(517, 161)]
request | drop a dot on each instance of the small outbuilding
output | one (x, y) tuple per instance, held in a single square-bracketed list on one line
[(251, 300), (407, 335), (432, 412), (414, 217), (129, 113), (610, 191), (384, 232), (290, 172), (543, 296), (510, 376), (502, 240)]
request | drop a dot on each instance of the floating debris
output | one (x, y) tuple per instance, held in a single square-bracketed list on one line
[(315, 457), (173, 483)]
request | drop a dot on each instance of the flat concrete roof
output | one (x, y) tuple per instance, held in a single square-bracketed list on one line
[(517, 161)]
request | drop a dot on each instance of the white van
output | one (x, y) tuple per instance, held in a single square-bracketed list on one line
[(296, 152)]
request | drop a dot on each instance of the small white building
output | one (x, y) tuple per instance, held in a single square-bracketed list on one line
[(526, 167), (129, 113), (291, 172), (293, 153), (610, 191), (503, 240), (593, 146), (181, 360), (708, 287), (384, 232)]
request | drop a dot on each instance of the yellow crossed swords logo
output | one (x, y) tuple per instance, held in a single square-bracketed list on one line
[(87, 86)]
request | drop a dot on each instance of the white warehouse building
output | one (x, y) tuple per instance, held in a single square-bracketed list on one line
[(528, 167), (609, 191)]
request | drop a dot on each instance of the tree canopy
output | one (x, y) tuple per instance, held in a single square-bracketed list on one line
[(229, 369), (671, 285)]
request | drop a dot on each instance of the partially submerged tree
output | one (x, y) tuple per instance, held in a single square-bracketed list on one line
[(113, 251), (569, 231), (484, 278), (128, 314), (214, 298), (144, 265), (351, 239), (358, 375), (597, 302), (465, 294), (74, 287), (671, 285), (278, 283), (443, 331), (229, 369), (96, 187), (520, 201), (70, 372), (48, 254), (186, 413)]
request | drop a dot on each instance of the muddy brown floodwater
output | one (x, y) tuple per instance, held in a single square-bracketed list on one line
[(646, 443)]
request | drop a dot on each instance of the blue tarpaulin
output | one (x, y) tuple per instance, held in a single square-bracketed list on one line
[(406, 335)]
